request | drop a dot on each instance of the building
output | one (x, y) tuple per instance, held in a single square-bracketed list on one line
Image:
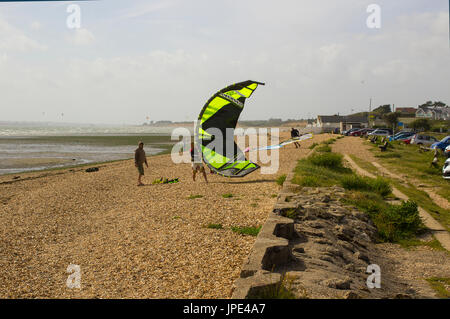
[(406, 111), (434, 113), (331, 123)]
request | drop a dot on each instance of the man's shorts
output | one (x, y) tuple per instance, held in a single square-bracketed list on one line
[(140, 169), (197, 167)]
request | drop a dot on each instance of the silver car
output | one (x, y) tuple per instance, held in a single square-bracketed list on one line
[(420, 139), (379, 132)]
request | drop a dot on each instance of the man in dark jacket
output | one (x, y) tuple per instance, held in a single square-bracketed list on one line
[(295, 134), (139, 160)]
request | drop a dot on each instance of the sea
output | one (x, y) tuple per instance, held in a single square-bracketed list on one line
[(28, 147)]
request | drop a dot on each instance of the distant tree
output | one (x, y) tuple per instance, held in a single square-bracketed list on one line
[(432, 104), (391, 118), (426, 104), (440, 104), (421, 125), (383, 109)]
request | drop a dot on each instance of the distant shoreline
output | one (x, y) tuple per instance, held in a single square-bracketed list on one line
[(22, 155), (51, 169)]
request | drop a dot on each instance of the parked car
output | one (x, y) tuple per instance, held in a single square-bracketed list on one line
[(355, 133), (402, 135), (442, 144), (406, 139), (420, 139), (349, 131), (362, 131), (446, 169), (379, 132)]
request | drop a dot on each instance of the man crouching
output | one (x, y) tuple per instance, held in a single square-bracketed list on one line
[(197, 164), (139, 160)]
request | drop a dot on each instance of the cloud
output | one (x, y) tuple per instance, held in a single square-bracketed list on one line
[(316, 57), (35, 25), (81, 37), (13, 39), (148, 8)]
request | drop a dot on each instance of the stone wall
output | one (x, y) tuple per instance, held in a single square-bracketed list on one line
[(324, 249)]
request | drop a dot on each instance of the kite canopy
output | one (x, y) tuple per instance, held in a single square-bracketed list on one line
[(214, 134)]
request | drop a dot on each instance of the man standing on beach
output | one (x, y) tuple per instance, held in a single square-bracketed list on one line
[(197, 164), (294, 134), (139, 160)]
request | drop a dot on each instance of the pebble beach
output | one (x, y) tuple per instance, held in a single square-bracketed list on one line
[(131, 242)]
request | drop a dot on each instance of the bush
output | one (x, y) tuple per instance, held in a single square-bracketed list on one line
[(323, 149), (394, 222), (308, 181), (313, 145), (370, 203), (281, 179), (328, 160), (214, 226), (195, 196), (389, 155), (251, 231), (420, 125), (330, 141), (380, 186), (360, 183), (398, 222)]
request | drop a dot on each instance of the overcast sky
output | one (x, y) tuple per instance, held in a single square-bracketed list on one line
[(164, 58)]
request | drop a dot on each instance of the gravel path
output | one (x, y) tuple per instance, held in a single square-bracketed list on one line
[(130, 242)]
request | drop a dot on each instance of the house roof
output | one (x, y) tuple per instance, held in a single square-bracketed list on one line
[(340, 118), (408, 110), (437, 110)]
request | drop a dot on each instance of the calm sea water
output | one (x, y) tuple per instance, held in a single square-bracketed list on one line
[(33, 147)]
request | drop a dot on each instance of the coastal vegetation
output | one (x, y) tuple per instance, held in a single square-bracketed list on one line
[(370, 195)]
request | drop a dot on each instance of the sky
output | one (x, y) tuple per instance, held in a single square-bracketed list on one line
[(163, 59)]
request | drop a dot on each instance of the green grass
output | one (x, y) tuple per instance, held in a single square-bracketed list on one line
[(363, 183), (195, 196), (327, 160), (420, 197), (330, 141), (407, 159), (214, 226), (290, 213), (280, 290), (388, 155), (281, 179), (364, 164), (439, 285), (413, 242), (250, 231), (274, 195), (323, 149), (227, 195), (423, 200), (254, 205), (320, 170), (308, 181), (394, 222), (313, 146)]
